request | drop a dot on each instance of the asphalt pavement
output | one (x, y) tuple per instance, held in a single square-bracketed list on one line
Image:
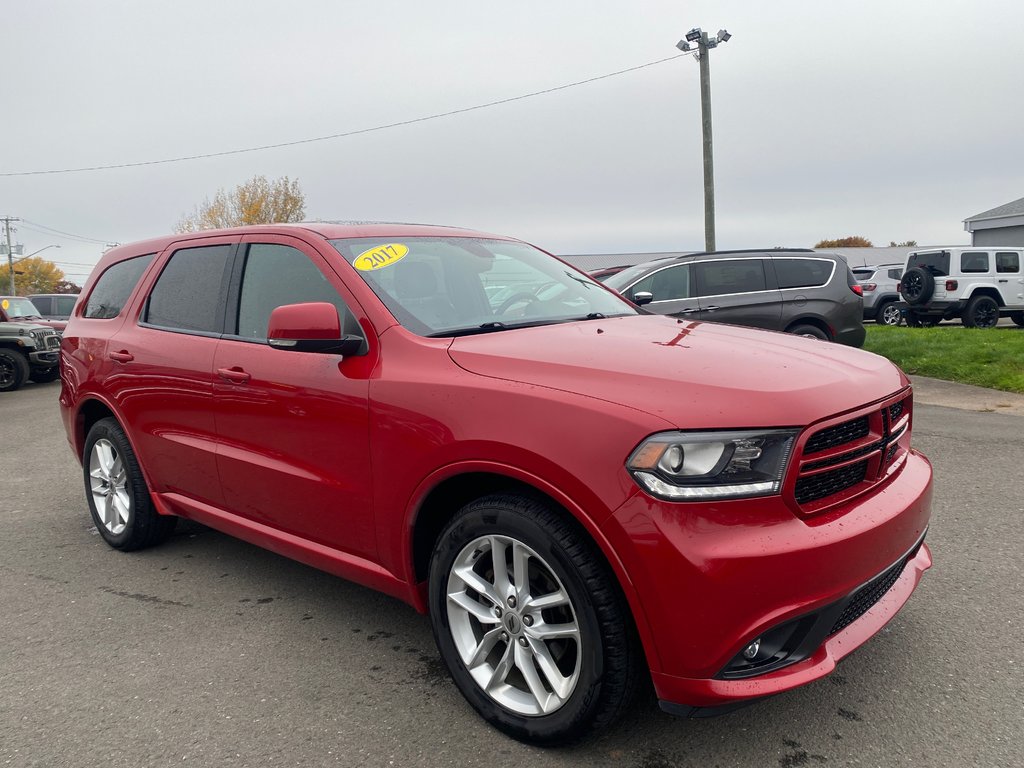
[(210, 652)]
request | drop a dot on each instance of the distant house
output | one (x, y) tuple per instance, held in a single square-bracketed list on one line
[(1000, 226)]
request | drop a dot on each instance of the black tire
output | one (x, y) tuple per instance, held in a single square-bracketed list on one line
[(982, 312), (13, 370), (45, 375), (605, 658), (809, 330), (129, 520), (917, 285), (888, 314), (1018, 318)]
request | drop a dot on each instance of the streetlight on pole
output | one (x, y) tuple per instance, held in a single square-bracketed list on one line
[(27, 256), (11, 261), (704, 44)]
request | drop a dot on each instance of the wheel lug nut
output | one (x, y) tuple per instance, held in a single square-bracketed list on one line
[(511, 602), (497, 611), (522, 641), (528, 621), (504, 636)]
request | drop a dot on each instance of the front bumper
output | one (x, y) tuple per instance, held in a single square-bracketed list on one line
[(711, 578), (44, 359)]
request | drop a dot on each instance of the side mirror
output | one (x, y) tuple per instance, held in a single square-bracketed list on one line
[(312, 327), (643, 297)]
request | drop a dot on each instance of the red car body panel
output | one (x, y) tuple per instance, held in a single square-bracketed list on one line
[(362, 441)]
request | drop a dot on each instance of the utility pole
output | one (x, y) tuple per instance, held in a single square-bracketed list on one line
[(704, 44), (10, 248)]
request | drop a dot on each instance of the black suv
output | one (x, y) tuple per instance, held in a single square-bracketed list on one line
[(784, 289)]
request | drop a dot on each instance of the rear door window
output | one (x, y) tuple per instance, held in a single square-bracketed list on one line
[(190, 293), (805, 273), (115, 285), (726, 276), (1007, 262)]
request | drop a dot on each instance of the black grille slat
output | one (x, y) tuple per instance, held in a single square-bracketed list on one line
[(867, 449), (895, 411), (841, 434), (825, 484), (865, 597)]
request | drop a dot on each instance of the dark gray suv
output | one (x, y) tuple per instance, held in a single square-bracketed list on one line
[(794, 290)]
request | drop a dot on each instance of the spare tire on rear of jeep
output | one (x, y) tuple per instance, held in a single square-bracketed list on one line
[(917, 285)]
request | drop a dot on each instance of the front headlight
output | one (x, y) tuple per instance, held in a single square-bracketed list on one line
[(689, 466)]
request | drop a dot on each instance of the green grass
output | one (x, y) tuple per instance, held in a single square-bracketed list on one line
[(992, 358)]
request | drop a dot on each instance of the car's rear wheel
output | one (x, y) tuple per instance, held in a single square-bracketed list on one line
[(529, 622), (810, 331), (888, 314), (13, 370), (1018, 318), (982, 312), (118, 496)]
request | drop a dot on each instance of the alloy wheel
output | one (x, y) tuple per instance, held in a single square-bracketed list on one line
[(108, 483), (514, 625), (890, 314)]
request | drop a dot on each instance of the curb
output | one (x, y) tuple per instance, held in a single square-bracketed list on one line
[(966, 397)]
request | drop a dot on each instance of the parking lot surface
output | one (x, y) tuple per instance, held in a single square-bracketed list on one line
[(209, 651)]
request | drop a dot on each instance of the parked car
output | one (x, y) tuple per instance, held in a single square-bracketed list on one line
[(978, 285), (54, 306), (605, 272), (28, 349), (793, 290), (579, 493), (880, 285), (22, 310)]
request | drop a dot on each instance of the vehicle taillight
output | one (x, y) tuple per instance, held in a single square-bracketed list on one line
[(868, 287), (857, 289), (951, 285)]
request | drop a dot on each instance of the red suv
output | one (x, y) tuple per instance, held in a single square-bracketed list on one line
[(578, 493)]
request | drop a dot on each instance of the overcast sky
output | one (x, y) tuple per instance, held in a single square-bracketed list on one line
[(893, 120)]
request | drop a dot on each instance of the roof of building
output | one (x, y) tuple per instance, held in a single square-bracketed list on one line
[(1015, 208)]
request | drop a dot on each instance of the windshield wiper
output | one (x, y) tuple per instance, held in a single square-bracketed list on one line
[(595, 316)]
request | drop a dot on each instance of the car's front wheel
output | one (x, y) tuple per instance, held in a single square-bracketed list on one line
[(13, 370), (529, 622), (118, 497)]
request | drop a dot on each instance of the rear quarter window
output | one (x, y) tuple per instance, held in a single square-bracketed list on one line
[(803, 273), (115, 286), (189, 294)]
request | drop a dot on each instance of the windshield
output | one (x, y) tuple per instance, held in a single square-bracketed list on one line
[(16, 308), (450, 286)]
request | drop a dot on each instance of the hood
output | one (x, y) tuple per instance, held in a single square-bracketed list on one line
[(23, 327), (695, 375)]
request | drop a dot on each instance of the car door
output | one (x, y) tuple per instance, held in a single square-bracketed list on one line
[(1009, 278), (163, 368), (737, 291), (672, 288), (293, 426)]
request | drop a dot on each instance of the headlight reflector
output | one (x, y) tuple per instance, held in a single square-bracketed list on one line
[(683, 466)]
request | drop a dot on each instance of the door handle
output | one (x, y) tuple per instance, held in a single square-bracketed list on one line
[(712, 308), (1003, 281), (123, 356), (689, 311), (235, 375)]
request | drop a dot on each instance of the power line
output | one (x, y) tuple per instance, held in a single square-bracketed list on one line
[(43, 229), (341, 135)]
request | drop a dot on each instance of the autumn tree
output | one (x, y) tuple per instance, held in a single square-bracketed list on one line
[(904, 244), (257, 201), (853, 241), (31, 275)]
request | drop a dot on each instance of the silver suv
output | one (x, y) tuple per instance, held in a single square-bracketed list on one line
[(881, 292), (978, 285), (795, 290)]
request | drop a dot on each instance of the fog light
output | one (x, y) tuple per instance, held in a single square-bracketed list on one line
[(750, 652)]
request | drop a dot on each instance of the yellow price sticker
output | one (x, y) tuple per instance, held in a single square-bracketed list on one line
[(380, 257)]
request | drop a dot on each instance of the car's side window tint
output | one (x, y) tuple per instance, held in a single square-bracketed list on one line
[(1007, 261), (189, 294), (802, 273), (65, 304), (974, 261), (895, 274), (716, 278), (672, 284), (276, 275), (115, 285)]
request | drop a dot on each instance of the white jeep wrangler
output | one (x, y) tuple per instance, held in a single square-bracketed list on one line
[(976, 284)]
